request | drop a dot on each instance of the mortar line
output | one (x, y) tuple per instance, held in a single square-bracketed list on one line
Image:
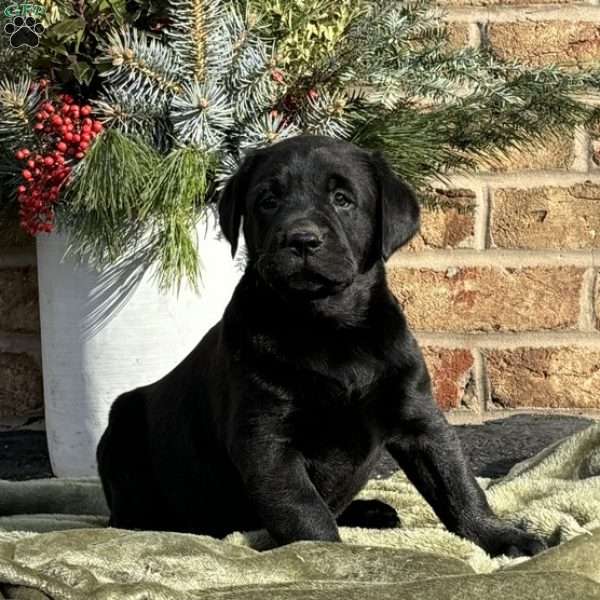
[(17, 343), (581, 151), (482, 219), (439, 260), (509, 14), (16, 259), (586, 301), (509, 340), (474, 35), (464, 417), (523, 179), (481, 381)]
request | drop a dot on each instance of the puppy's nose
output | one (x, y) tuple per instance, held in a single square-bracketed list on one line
[(303, 241)]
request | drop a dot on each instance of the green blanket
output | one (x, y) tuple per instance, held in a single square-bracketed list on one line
[(54, 544)]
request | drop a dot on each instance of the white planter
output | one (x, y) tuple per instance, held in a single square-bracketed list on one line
[(104, 333)]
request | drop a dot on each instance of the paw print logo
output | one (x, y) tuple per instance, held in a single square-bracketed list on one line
[(24, 32)]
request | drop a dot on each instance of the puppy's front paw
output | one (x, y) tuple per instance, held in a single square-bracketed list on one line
[(501, 538), (370, 514)]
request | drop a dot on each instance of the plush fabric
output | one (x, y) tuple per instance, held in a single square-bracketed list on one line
[(54, 544)]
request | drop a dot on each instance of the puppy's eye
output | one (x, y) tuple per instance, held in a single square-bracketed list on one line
[(267, 203), (340, 199)]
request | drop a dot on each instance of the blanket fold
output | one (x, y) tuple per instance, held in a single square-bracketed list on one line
[(54, 544)]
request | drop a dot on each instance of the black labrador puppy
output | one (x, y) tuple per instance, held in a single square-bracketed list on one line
[(277, 416)]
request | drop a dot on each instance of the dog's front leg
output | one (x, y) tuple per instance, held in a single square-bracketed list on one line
[(429, 452), (282, 494)]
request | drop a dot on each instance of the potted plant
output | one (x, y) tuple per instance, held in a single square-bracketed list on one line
[(128, 118)]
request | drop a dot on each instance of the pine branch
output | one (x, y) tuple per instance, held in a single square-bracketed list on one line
[(19, 101), (251, 81), (334, 114), (266, 129), (134, 115), (197, 35), (424, 144), (175, 198), (140, 64), (201, 115), (104, 198)]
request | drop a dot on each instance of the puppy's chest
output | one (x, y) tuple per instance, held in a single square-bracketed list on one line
[(325, 365), (339, 445), (348, 375)]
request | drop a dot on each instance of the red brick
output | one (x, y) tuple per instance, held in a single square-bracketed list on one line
[(20, 385), (452, 377), (538, 43), (447, 221), (544, 378), (547, 217), (488, 299), (19, 308)]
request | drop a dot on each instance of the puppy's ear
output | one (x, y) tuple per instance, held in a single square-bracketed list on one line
[(232, 200), (397, 208)]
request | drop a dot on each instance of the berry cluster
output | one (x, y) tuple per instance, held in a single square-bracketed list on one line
[(65, 130)]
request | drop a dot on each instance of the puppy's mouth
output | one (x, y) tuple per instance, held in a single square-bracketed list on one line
[(307, 280), (306, 276)]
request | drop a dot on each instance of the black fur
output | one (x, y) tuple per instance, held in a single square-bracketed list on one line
[(277, 416)]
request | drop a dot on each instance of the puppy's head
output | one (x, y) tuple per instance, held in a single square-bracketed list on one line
[(316, 212)]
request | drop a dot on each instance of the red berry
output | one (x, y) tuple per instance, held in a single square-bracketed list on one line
[(25, 152), (277, 75), (86, 110), (97, 126), (56, 120), (65, 109), (68, 120), (19, 155), (31, 164), (27, 174), (76, 138), (79, 155), (40, 115), (21, 189), (38, 127), (86, 137), (47, 106), (61, 147), (49, 161), (68, 136)]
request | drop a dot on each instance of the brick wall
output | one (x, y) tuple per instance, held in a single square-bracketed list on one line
[(502, 284), (20, 355)]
